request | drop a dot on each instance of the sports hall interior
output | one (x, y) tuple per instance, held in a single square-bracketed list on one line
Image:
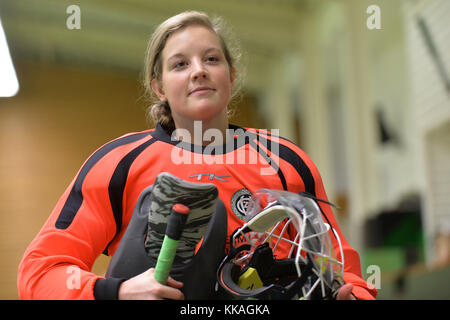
[(362, 86)]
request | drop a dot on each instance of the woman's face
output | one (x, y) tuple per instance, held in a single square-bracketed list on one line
[(196, 78)]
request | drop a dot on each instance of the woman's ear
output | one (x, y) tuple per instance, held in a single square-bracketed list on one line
[(158, 90)]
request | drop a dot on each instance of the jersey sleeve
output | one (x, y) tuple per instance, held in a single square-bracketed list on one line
[(352, 266), (57, 264)]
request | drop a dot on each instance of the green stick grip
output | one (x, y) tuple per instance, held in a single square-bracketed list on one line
[(165, 259), (174, 229)]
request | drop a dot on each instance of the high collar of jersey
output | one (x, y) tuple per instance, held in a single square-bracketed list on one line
[(241, 137)]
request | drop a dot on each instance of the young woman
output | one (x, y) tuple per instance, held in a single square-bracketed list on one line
[(192, 72)]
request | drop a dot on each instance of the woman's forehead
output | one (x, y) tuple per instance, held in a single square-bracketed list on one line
[(191, 38)]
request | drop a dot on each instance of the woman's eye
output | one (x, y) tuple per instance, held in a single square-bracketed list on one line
[(179, 64), (213, 59)]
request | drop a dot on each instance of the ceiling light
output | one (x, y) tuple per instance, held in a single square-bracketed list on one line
[(9, 85)]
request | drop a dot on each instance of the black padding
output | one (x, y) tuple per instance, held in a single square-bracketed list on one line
[(198, 276)]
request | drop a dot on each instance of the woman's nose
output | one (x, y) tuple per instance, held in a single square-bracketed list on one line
[(199, 70)]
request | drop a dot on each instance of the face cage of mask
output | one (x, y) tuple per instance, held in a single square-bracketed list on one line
[(318, 274)]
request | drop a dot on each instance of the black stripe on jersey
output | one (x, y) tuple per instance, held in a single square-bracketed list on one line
[(295, 160), (75, 198), (303, 170), (270, 161), (270, 135), (118, 181)]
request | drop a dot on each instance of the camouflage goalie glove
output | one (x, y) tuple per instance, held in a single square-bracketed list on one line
[(200, 198)]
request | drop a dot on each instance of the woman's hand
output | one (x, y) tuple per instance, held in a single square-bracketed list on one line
[(345, 292), (145, 287)]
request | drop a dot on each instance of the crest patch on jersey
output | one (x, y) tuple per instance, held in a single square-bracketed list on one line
[(239, 202)]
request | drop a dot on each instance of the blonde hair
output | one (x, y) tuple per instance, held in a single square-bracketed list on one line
[(159, 111)]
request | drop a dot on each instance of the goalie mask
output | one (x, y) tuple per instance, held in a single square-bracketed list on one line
[(283, 251)]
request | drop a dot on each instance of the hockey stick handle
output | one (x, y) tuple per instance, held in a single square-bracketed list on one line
[(174, 229)]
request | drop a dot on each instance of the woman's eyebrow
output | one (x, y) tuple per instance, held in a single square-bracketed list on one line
[(212, 49), (175, 56)]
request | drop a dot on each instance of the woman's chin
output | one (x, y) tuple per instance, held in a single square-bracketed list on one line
[(208, 113)]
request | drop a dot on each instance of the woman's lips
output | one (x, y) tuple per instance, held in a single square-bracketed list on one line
[(201, 90)]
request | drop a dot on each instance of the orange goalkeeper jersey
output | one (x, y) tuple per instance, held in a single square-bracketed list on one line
[(92, 215)]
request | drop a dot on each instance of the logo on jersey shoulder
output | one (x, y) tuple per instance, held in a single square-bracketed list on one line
[(239, 202)]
